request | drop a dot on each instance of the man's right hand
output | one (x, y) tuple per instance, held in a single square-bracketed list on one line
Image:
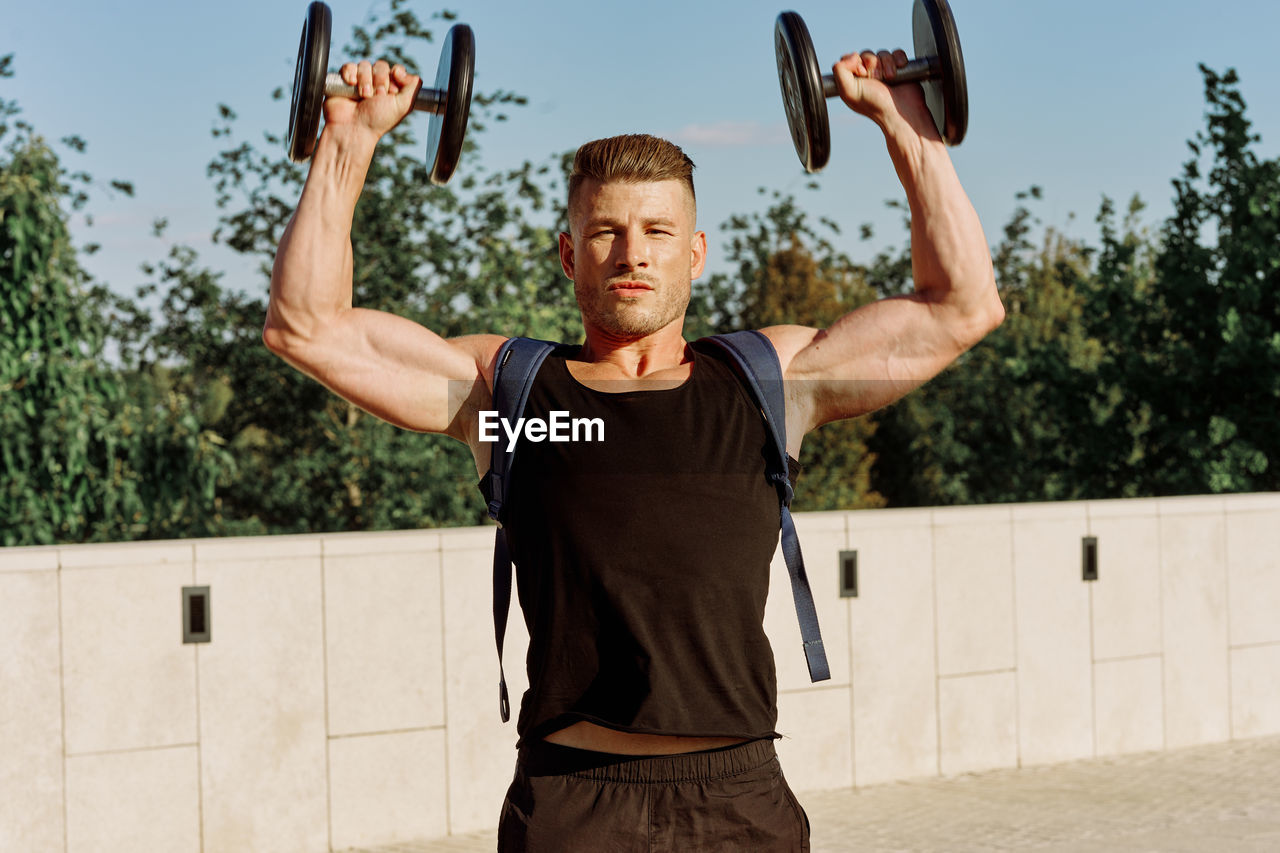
[(386, 96)]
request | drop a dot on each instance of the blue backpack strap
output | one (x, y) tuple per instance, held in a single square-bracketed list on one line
[(758, 361), (517, 364)]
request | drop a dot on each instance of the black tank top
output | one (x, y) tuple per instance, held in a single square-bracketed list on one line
[(642, 561)]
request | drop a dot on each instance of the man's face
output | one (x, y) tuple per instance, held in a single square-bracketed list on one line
[(632, 254)]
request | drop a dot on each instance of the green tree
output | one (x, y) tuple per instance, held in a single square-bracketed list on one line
[(86, 453), (1120, 313), (54, 401), (1214, 323)]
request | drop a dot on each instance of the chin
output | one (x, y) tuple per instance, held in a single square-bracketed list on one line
[(630, 320), (630, 330)]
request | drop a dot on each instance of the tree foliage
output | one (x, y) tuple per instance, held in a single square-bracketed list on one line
[(1212, 326), (85, 453)]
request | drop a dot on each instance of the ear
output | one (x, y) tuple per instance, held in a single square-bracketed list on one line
[(566, 254), (698, 254)]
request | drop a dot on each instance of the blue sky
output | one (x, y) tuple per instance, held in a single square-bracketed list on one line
[(1082, 98)]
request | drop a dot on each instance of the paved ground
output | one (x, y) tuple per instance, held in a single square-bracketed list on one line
[(1224, 797)]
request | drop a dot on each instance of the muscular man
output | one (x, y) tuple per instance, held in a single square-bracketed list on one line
[(642, 560)]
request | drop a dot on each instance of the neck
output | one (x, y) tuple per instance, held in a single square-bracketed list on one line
[(637, 357)]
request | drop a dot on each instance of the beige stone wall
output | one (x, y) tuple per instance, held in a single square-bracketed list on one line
[(348, 696)]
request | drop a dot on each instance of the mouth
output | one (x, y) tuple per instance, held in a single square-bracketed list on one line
[(628, 287)]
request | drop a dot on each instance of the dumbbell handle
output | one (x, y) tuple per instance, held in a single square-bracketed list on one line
[(915, 71), (428, 100)]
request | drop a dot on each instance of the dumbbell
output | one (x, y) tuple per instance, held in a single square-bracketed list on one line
[(938, 67), (449, 102)]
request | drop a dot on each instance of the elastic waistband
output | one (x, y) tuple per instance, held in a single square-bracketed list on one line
[(539, 758)]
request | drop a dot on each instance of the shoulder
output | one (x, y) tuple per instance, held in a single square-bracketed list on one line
[(483, 349), (789, 341)]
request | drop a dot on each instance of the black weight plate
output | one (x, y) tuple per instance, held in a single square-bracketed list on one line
[(934, 29), (801, 84), (447, 128), (308, 83)]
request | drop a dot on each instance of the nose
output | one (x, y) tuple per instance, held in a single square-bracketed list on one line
[(631, 251)]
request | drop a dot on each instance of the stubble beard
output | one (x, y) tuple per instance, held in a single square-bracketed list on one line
[(629, 317)]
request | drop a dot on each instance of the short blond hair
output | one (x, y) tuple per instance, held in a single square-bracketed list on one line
[(630, 158)]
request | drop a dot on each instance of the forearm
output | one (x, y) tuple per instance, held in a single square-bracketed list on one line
[(312, 275), (950, 260)]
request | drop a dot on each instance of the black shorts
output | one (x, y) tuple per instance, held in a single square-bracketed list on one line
[(564, 800)]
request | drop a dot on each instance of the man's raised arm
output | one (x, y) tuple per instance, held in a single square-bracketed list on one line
[(387, 365), (876, 354)]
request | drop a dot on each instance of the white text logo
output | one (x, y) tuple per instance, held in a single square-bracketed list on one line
[(558, 427)]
